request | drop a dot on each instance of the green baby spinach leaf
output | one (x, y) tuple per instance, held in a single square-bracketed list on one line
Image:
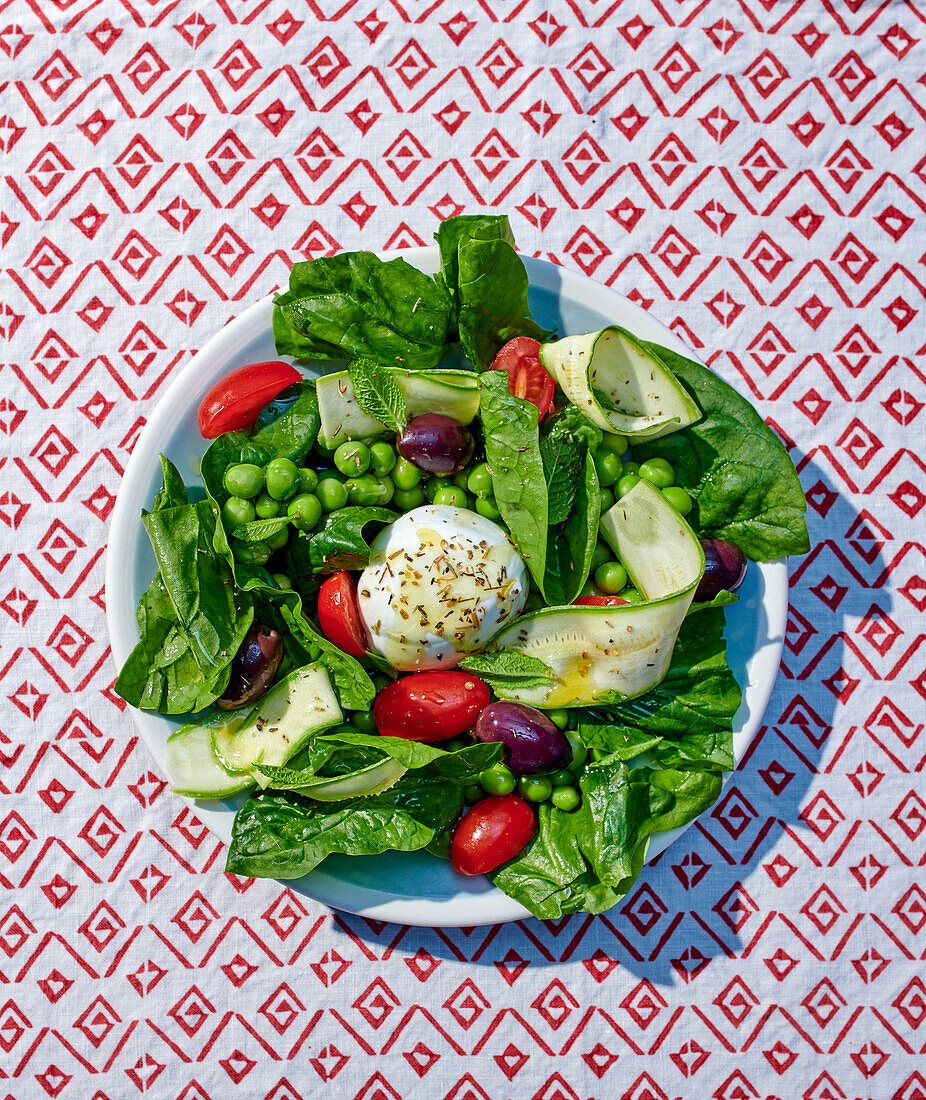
[(735, 467), (173, 493), (340, 543), (355, 305), (509, 425), (457, 231), (288, 425), (377, 393)]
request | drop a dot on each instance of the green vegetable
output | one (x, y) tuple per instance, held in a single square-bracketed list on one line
[(378, 394), (288, 425), (352, 459), (355, 305), (282, 478), (561, 455), (331, 493), (735, 467), (570, 545), (338, 544), (236, 511), (509, 425), (566, 798), (535, 788), (497, 780), (244, 480), (382, 459), (508, 669), (284, 836), (406, 475)]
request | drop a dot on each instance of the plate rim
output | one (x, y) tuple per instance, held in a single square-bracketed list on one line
[(373, 904)]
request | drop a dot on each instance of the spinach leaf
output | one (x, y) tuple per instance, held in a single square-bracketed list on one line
[(562, 460), (377, 393), (589, 859), (355, 305), (570, 545), (288, 425), (458, 230), (173, 492), (509, 670), (509, 425), (161, 673), (213, 616), (339, 544), (699, 694), (279, 835), (735, 467), (492, 296), (283, 610)]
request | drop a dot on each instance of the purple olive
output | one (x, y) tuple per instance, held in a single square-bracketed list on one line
[(253, 668), (724, 568), (532, 741), (435, 443)]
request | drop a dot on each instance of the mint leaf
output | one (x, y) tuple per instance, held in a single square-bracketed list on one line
[(378, 393), (559, 453), (509, 670)]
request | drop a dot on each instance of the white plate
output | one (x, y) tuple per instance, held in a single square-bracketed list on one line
[(407, 888)]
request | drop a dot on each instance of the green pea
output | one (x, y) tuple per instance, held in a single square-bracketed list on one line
[(497, 780), (236, 511), (308, 480), (563, 778), (473, 794), (451, 495), (363, 721), (607, 499), (406, 475), (282, 478), (479, 480), (487, 507), (407, 499), (566, 798), (631, 468), (608, 466), (679, 499), (251, 553), (432, 486), (460, 480), (368, 491), (601, 554), (280, 539), (265, 507), (657, 472), (631, 595), (382, 458), (306, 509), (352, 459), (625, 484), (616, 444), (244, 480), (611, 577), (331, 493), (283, 581), (559, 718), (579, 750), (535, 788)]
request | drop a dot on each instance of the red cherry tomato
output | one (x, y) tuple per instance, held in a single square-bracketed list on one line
[(339, 616), (430, 706), (599, 601), (520, 357), (235, 400), (490, 833)]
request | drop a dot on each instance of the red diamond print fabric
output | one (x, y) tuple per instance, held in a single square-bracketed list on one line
[(753, 173)]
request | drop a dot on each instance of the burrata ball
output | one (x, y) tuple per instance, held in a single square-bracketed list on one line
[(441, 582)]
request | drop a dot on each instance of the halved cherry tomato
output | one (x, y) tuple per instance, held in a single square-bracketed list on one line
[(235, 400), (598, 601), (338, 614), (430, 706), (520, 357), (490, 833)]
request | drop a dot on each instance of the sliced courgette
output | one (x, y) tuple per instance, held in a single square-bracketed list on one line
[(288, 715), (619, 384), (596, 652), (373, 779), (192, 764), (451, 392)]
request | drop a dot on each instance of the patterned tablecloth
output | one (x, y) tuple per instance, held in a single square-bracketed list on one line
[(754, 172)]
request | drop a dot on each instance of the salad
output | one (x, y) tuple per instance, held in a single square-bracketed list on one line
[(464, 593)]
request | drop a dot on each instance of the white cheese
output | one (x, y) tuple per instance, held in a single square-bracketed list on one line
[(440, 583)]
